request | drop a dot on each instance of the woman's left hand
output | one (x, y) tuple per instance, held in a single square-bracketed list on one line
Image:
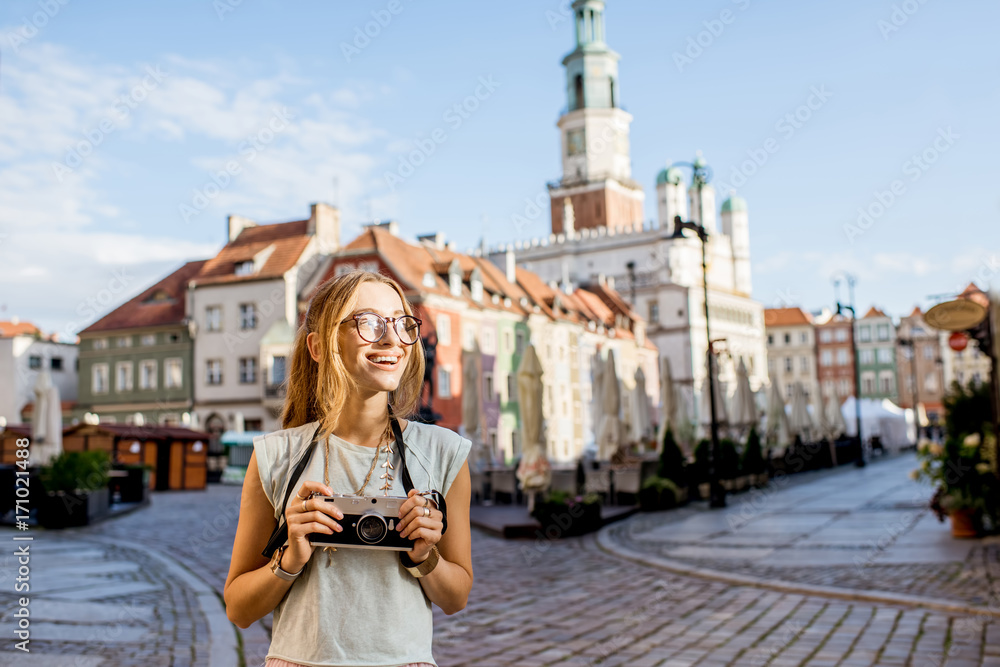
[(421, 521)]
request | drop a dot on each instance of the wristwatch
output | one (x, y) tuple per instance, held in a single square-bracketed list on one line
[(276, 566), (419, 570)]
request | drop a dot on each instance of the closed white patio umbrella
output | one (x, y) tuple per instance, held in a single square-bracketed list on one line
[(534, 471), (609, 437)]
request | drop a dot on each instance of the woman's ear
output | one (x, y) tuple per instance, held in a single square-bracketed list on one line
[(312, 342)]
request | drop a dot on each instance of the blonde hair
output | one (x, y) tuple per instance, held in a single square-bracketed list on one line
[(318, 390)]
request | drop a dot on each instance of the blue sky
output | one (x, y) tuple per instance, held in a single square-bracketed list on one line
[(162, 96)]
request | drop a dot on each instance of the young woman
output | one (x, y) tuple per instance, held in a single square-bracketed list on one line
[(357, 353)]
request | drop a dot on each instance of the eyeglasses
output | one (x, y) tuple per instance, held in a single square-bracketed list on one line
[(372, 327)]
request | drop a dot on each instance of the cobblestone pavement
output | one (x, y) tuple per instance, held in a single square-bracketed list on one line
[(566, 602), (854, 529), (93, 603)]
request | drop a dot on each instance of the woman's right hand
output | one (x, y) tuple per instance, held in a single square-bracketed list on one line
[(305, 515)]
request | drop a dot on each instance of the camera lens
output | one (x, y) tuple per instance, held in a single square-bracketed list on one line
[(372, 528)]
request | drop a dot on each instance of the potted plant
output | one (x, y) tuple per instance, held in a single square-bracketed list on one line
[(563, 515), (964, 482), (753, 459), (76, 489), (673, 465), (658, 493)]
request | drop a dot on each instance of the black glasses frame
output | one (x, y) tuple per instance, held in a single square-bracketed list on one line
[(386, 321)]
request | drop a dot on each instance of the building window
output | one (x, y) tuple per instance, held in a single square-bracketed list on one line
[(508, 342), (843, 387), (455, 283), (341, 269), (253, 425), (865, 333), (788, 391), (147, 374), (770, 341), (788, 364), (56, 363), (147, 340), (213, 371), (886, 383), (99, 378), (444, 382), (803, 337), (865, 356), (123, 376), (930, 382), (469, 336), (370, 267), (489, 341), (511, 387), (278, 369), (488, 386), (213, 318), (173, 338), (825, 336), (788, 339), (100, 344), (826, 358), (123, 341), (654, 312), (443, 325), (34, 362), (248, 316), (885, 355), (173, 373), (842, 357), (841, 335), (868, 384), (244, 268), (804, 364), (907, 352), (883, 332), (928, 352), (248, 370), (519, 349), (828, 387)]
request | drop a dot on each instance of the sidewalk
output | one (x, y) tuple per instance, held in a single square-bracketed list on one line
[(852, 532)]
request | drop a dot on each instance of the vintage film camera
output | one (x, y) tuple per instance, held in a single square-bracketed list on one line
[(369, 523)]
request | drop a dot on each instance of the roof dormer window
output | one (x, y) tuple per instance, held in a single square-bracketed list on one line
[(455, 279), (244, 268), (476, 285), (429, 280)]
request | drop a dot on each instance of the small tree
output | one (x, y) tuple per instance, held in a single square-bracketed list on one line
[(753, 456), (967, 409), (672, 461)]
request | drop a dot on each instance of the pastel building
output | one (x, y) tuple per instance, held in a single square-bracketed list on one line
[(876, 348), (835, 357), (920, 369), (24, 353), (791, 350)]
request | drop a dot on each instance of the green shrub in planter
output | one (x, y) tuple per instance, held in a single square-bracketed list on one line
[(563, 515), (729, 460), (698, 471), (76, 486), (753, 455), (658, 493), (673, 464)]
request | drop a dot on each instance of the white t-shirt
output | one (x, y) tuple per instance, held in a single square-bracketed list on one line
[(364, 609)]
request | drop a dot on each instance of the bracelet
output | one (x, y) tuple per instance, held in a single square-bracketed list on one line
[(419, 570), (276, 566)]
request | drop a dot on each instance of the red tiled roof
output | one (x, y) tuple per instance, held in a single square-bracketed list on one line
[(161, 304), (785, 317), (973, 293), (917, 312), (288, 240), (10, 329), (874, 312)]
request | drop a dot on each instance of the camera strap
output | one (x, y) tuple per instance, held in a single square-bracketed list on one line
[(434, 495)]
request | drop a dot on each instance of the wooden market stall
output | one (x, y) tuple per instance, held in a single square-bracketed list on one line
[(177, 456)]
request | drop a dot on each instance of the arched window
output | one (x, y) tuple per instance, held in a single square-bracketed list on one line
[(611, 84), (578, 92)]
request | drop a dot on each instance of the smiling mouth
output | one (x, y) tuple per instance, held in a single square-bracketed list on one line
[(384, 360)]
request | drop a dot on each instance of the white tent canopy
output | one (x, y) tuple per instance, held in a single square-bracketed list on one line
[(883, 418)]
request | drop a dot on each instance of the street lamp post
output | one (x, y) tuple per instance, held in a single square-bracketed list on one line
[(860, 461), (702, 174)]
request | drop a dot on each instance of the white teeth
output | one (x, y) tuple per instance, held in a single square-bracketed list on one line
[(379, 360)]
